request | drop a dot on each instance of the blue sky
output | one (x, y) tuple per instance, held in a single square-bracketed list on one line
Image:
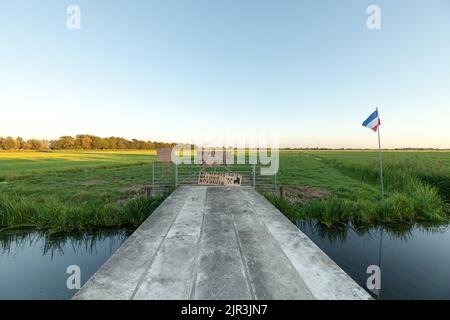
[(159, 69)]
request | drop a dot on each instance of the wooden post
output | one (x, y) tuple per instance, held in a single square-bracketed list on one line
[(149, 191), (281, 190), (224, 156), (254, 175), (176, 175)]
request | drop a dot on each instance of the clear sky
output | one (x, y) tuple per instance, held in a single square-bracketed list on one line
[(157, 69)]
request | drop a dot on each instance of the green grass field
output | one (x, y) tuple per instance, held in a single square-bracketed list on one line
[(417, 186), (74, 190), (16, 164), (79, 190)]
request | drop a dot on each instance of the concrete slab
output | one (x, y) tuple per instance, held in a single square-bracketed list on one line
[(219, 243), (171, 274), (221, 272), (325, 279)]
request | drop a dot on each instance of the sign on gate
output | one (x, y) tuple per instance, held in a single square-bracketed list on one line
[(219, 179), (164, 154)]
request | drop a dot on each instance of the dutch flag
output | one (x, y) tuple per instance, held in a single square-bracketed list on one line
[(373, 121)]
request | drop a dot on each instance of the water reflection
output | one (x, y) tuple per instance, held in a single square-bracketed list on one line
[(341, 233), (13, 241), (33, 263), (414, 259)]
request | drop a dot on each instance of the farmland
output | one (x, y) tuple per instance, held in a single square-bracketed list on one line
[(76, 190), (15, 164), (417, 186)]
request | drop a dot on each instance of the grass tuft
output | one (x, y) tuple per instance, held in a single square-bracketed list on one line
[(58, 216), (409, 198)]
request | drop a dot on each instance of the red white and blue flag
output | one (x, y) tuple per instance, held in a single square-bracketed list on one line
[(373, 121)]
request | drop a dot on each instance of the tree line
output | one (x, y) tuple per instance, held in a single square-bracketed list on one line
[(81, 142)]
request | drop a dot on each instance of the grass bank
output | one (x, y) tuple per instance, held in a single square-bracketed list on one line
[(414, 191), (55, 215), (73, 191)]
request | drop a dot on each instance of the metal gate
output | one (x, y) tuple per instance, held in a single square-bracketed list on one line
[(166, 176)]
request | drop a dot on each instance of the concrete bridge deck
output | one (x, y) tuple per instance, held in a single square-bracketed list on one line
[(219, 243)]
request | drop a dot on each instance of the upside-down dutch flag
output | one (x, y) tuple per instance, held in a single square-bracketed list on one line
[(373, 121)]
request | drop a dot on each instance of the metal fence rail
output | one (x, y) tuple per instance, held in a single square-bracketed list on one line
[(166, 176)]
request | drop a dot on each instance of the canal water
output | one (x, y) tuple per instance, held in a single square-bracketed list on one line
[(33, 264), (415, 260)]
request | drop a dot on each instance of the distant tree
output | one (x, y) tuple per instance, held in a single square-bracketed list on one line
[(67, 142), (55, 145), (34, 144), (78, 142), (9, 143), (20, 143), (45, 144), (63, 143), (82, 141), (112, 143), (104, 144), (135, 144), (86, 143), (122, 144), (96, 143), (143, 145)]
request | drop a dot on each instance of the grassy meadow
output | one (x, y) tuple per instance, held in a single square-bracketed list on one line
[(417, 186), (17, 164), (76, 190)]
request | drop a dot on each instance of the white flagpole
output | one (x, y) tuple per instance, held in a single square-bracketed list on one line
[(381, 159), (382, 196)]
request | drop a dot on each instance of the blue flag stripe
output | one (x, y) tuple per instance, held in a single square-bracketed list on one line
[(370, 118)]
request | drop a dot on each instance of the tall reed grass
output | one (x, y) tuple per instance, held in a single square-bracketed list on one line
[(53, 214), (409, 198)]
